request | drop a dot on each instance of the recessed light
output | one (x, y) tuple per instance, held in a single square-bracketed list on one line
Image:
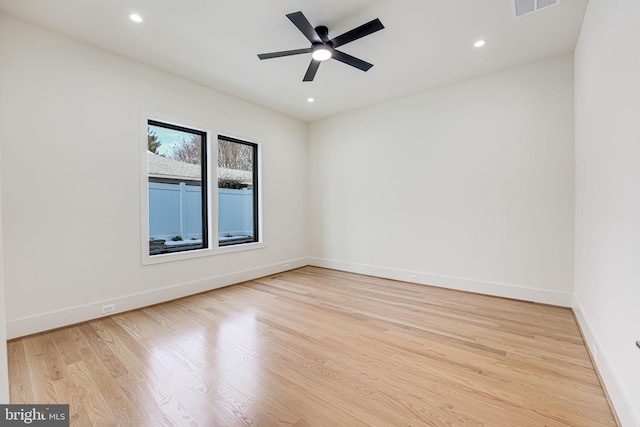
[(480, 43), (135, 17), (310, 100)]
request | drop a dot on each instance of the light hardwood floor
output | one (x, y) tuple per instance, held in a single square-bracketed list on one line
[(316, 347)]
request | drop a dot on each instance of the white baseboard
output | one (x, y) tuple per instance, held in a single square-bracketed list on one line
[(55, 319), (68, 316), (459, 283), (623, 408)]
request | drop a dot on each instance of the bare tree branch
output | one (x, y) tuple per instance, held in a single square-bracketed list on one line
[(233, 155), (188, 151)]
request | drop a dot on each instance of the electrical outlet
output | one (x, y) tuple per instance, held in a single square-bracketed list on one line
[(108, 308), (286, 266), (413, 278)]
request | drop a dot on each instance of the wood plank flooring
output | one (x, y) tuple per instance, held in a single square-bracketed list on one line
[(316, 347)]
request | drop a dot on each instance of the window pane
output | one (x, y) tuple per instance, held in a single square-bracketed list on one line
[(176, 167), (237, 191)]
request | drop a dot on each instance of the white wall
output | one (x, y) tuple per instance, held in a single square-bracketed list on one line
[(469, 186), (70, 128), (4, 369), (607, 276)]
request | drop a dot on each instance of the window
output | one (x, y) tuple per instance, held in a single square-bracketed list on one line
[(184, 215), (177, 188), (237, 191)]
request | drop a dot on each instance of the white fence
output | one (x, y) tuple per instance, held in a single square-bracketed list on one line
[(176, 210), (235, 212)]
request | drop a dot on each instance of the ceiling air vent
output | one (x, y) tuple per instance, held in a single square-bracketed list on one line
[(523, 7)]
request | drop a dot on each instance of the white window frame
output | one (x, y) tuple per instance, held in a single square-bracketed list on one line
[(213, 248)]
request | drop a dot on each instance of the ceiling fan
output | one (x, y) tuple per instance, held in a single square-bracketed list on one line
[(323, 48)]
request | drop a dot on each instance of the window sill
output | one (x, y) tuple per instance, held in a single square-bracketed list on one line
[(199, 253), (239, 247)]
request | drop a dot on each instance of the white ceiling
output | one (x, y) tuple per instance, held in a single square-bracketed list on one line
[(426, 43)]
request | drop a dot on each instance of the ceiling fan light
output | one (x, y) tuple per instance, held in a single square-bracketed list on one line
[(321, 53)]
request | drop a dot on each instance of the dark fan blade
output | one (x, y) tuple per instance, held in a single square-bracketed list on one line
[(300, 21), (283, 53), (311, 71), (356, 33), (351, 60)]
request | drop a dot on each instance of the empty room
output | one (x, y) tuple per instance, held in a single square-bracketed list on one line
[(426, 213)]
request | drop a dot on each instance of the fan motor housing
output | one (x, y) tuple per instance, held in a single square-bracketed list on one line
[(323, 33)]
